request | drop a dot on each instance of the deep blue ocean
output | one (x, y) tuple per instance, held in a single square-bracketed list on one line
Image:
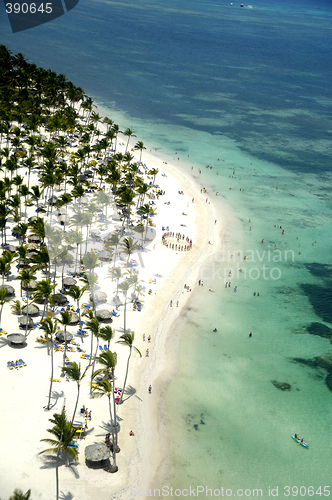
[(253, 87)]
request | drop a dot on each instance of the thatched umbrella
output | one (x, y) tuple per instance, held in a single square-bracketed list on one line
[(104, 314), (52, 200), (32, 219), (30, 286), (69, 281), (23, 320), (97, 452), (104, 255), (99, 297), (9, 288), (10, 248), (16, 338), (60, 299), (82, 177), (22, 263), (42, 209), (74, 318), (33, 238), (31, 310), (62, 336), (88, 173), (33, 246), (93, 185)]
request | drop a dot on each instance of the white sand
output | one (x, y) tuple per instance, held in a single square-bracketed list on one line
[(25, 391)]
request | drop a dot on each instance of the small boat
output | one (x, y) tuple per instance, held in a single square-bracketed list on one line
[(298, 440)]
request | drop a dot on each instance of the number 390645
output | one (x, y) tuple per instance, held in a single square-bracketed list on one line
[(28, 8)]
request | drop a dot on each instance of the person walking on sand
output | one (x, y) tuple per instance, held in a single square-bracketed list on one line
[(150, 389), (171, 303), (149, 338), (177, 303), (143, 337)]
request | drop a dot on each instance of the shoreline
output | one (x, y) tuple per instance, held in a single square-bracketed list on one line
[(151, 445)]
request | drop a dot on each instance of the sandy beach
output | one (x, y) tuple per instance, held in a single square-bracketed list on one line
[(164, 273)]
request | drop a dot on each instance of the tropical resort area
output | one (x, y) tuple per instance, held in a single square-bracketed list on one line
[(88, 217)]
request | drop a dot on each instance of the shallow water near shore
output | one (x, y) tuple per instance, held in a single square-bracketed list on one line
[(259, 102)]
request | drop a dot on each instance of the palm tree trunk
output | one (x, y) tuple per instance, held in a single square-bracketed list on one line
[(52, 369), (78, 396), (65, 348), (125, 380)]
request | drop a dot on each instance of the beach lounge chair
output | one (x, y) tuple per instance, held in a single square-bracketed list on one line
[(10, 365), (22, 362), (116, 314), (105, 348)]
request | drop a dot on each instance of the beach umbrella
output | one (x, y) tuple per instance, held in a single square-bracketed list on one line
[(33, 238), (104, 255), (22, 263), (69, 281), (30, 286), (88, 173), (82, 177), (52, 200), (103, 314), (83, 200), (31, 310), (60, 299), (93, 185), (16, 338), (32, 246), (10, 248), (74, 318), (62, 336), (41, 208), (33, 218), (99, 297), (23, 320), (10, 289), (97, 452)]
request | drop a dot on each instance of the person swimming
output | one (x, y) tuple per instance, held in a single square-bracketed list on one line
[(215, 330)]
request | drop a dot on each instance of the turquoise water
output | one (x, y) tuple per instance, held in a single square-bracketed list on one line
[(251, 87)]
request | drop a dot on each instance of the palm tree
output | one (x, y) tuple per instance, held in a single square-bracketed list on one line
[(64, 434), (92, 324), (124, 287), (74, 373), (127, 339), (49, 327), (129, 246), (106, 333), (76, 293), (128, 133), (105, 387), (19, 495), (41, 260), (25, 276), (43, 291), (139, 146), (65, 321), (153, 172), (75, 238), (113, 240), (3, 300)]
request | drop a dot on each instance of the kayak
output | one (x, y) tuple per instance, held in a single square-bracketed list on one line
[(303, 443)]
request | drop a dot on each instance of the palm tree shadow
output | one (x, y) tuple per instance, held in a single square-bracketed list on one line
[(130, 392), (3, 342), (66, 496), (56, 396), (107, 426), (50, 463)]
